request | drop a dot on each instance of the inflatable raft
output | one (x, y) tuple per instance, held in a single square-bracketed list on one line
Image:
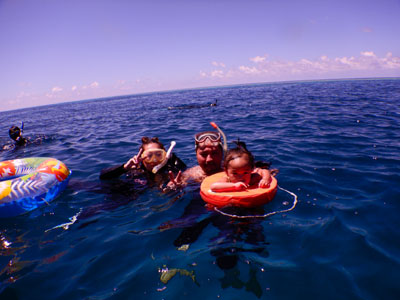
[(251, 197), (28, 183)]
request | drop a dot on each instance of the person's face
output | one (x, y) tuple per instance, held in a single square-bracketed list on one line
[(150, 165), (239, 170), (209, 158)]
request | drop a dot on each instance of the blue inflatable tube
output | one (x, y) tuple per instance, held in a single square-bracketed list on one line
[(29, 183)]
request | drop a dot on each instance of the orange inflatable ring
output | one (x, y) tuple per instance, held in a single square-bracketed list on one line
[(252, 197)]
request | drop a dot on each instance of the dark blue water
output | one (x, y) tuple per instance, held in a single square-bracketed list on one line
[(336, 144)]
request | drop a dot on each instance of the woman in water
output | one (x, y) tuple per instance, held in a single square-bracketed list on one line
[(151, 164), (241, 172)]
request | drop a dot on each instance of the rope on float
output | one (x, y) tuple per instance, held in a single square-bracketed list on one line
[(267, 214)]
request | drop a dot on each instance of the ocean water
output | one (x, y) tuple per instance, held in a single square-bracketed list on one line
[(336, 144)]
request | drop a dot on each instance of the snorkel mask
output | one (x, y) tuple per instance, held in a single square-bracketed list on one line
[(211, 138), (154, 156), (167, 156)]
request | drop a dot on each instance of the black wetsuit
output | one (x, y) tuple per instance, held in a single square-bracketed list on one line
[(174, 164), (21, 141)]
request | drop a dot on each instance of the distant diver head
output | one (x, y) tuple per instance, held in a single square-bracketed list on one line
[(14, 132)]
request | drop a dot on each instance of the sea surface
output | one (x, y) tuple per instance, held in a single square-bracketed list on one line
[(337, 147)]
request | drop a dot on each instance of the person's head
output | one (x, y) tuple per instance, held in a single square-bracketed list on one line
[(14, 132), (153, 152), (239, 164), (209, 151)]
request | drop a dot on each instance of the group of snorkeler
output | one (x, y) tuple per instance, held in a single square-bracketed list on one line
[(153, 166)]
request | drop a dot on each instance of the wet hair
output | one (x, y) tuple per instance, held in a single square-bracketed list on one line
[(14, 132), (154, 140), (239, 151), (262, 164)]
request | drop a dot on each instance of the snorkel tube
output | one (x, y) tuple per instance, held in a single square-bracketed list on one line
[(167, 157), (22, 127), (225, 147)]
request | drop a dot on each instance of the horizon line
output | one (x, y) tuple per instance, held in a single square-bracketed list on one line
[(208, 87)]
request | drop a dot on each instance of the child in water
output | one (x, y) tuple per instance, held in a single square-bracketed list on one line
[(241, 172)]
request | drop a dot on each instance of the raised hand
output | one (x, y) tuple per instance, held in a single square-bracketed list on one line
[(174, 182), (135, 161)]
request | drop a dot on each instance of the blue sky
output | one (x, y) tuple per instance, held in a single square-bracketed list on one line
[(55, 51)]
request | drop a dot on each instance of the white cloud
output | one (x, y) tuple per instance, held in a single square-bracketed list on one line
[(368, 54), (56, 89), (366, 64), (94, 85), (258, 59), (248, 70), (217, 73), (218, 64)]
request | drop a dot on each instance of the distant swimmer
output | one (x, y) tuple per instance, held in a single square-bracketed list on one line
[(192, 106), (15, 134), (214, 104)]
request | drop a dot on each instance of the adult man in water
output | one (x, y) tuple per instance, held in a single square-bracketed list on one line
[(209, 153)]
